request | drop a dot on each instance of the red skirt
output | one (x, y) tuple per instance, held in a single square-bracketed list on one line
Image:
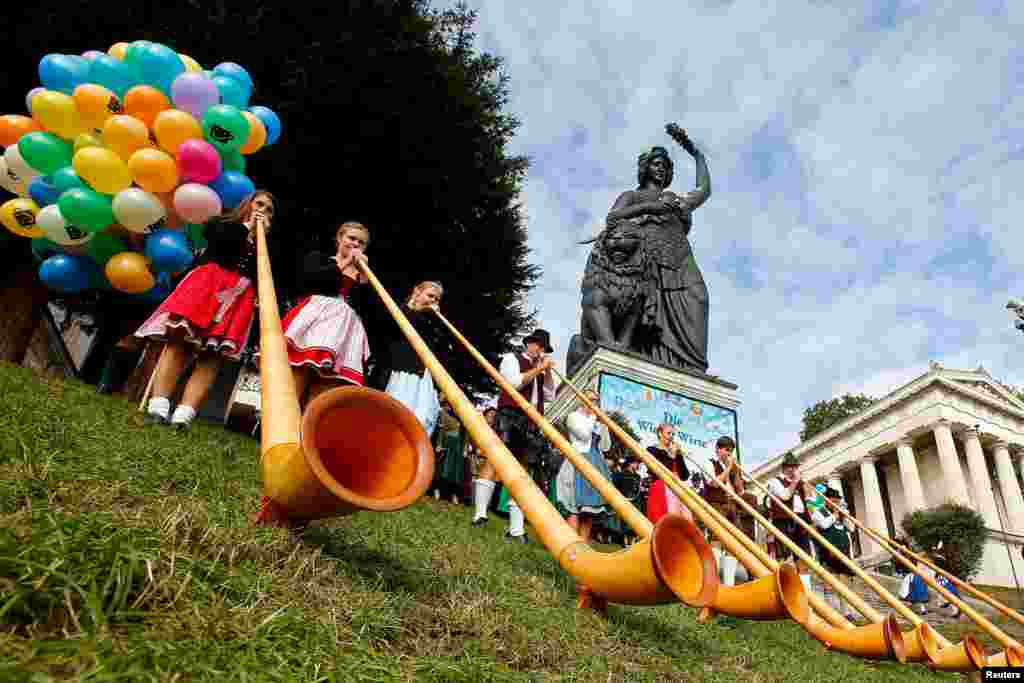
[(325, 334), (214, 307), (661, 501)]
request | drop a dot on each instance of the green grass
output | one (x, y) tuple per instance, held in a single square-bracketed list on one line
[(127, 553)]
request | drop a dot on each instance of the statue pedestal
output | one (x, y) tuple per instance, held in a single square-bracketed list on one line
[(702, 407)]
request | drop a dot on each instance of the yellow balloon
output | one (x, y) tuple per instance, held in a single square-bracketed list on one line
[(190, 64), (19, 216), (102, 169), (96, 104), (117, 50), (173, 127), (129, 272), (87, 140), (154, 170), (125, 135), (257, 134), (57, 113)]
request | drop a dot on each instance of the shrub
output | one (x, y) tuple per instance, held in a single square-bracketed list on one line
[(959, 529)]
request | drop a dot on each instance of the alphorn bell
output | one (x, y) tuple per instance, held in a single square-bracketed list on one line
[(353, 449), (1012, 655), (659, 572)]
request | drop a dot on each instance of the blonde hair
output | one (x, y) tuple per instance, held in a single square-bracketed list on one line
[(351, 225), (423, 285)]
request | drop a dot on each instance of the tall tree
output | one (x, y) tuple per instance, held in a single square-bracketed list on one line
[(391, 117), (824, 414)]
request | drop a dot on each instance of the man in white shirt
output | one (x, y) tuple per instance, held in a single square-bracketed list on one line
[(791, 490), (529, 371)]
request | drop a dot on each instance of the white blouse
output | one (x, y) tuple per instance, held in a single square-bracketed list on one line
[(581, 428)]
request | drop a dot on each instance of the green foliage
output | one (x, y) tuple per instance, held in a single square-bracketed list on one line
[(127, 553), (391, 117), (959, 529), (824, 414)]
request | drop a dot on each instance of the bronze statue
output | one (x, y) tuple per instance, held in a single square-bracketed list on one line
[(642, 289)]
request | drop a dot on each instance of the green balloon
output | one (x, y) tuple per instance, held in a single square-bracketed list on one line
[(86, 209), (45, 152), (43, 248), (65, 179), (233, 161), (225, 127), (103, 246), (194, 232)]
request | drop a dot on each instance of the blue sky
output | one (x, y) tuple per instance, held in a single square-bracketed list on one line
[(866, 160)]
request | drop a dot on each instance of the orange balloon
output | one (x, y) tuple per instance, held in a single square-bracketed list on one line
[(153, 170), (129, 272), (144, 103), (257, 134), (117, 50), (173, 127), (13, 126), (96, 104), (125, 135)]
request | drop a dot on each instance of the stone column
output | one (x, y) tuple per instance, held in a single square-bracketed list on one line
[(953, 476), (1009, 487), (980, 481), (911, 478), (874, 513)]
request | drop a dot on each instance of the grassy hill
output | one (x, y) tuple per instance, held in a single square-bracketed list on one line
[(127, 553)]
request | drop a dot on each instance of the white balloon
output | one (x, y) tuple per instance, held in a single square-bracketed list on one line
[(137, 209), (51, 221), (19, 166), (10, 181)]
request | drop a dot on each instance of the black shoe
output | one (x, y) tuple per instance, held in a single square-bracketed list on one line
[(479, 521), (181, 426), (523, 539), (154, 419)]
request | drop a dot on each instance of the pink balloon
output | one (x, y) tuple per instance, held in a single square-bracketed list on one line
[(196, 203), (198, 161)]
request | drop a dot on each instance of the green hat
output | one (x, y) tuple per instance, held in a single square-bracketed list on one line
[(790, 459)]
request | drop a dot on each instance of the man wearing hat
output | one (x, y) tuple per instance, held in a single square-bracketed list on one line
[(529, 370), (792, 492)]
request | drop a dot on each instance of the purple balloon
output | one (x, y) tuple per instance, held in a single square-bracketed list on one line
[(194, 93)]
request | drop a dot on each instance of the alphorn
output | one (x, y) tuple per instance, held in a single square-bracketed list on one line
[(875, 640), (922, 644), (762, 599), (664, 569), (353, 449), (1012, 655)]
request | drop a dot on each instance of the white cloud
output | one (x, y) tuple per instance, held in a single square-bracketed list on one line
[(848, 152)]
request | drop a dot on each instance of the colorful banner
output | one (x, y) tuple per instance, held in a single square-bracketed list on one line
[(698, 424)]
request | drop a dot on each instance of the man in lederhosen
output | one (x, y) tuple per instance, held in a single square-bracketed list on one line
[(792, 491), (529, 371)]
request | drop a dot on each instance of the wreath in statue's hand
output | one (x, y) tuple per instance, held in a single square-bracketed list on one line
[(680, 136)]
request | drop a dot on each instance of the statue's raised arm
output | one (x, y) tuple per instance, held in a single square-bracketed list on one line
[(699, 194)]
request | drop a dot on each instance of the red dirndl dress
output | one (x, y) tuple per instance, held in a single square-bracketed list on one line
[(214, 306), (662, 501), (326, 334)]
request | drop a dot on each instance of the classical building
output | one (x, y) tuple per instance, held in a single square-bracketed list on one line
[(949, 435)]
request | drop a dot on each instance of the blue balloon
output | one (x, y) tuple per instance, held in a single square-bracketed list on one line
[(63, 72), (237, 72), (113, 74), (42, 191), (270, 121), (64, 179), (231, 91), (158, 64), (66, 274), (232, 187), (168, 251)]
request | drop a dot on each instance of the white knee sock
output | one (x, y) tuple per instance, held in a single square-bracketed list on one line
[(483, 489), (728, 569), (806, 579), (183, 414), (516, 522), (159, 405)]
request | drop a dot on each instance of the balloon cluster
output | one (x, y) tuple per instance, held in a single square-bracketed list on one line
[(123, 157)]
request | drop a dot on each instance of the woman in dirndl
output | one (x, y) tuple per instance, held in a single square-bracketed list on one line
[(211, 310), (399, 371), (327, 344), (662, 500)]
